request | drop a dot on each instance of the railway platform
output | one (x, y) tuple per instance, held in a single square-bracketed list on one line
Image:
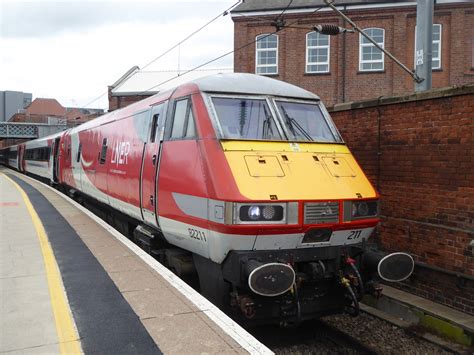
[(70, 283)]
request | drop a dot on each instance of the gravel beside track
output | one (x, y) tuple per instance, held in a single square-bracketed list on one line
[(370, 335), (310, 337), (381, 336)]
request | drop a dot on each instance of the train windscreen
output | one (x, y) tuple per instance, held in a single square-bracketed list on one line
[(305, 122), (243, 118)]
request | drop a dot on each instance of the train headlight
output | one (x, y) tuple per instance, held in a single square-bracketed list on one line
[(360, 209), (254, 213), (261, 213), (354, 210)]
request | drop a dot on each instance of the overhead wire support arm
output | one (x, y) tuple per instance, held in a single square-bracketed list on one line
[(390, 55)]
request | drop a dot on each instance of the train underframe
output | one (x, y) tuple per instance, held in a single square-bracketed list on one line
[(327, 281)]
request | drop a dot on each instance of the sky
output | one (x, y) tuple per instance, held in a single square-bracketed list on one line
[(72, 50)]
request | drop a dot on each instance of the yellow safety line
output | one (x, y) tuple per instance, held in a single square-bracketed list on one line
[(68, 338)]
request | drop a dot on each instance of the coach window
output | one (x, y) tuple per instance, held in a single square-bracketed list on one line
[(79, 149), (190, 127), (141, 122), (267, 54), (183, 120), (370, 57), (154, 127), (157, 122), (103, 153), (179, 117)]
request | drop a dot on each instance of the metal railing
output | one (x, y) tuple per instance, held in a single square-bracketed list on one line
[(22, 130)]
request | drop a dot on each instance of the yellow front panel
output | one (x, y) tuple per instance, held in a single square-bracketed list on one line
[(309, 171), (263, 166)]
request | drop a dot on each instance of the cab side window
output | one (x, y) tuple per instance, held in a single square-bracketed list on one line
[(191, 128), (183, 126)]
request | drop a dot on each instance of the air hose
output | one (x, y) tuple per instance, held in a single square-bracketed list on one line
[(298, 306), (353, 309), (360, 282)]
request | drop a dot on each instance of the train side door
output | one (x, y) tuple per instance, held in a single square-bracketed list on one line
[(150, 166), (21, 160), (56, 159)]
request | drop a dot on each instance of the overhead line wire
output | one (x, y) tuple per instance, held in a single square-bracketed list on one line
[(284, 10), (224, 55), (223, 13)]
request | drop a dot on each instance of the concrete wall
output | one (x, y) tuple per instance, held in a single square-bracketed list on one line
[(418, 150)]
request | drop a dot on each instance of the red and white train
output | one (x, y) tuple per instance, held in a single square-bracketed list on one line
[(236, 180)]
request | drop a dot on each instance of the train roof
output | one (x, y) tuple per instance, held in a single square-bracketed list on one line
[(245, 83), (224, 83)]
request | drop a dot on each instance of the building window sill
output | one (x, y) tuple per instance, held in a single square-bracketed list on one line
[(317, 74), (371, 72), (270, 75)]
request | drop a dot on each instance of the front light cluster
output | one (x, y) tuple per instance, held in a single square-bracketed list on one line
[(254, 213), (354, 210), (262, 213)]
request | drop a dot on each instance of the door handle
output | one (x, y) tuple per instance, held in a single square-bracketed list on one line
[(154, 159), (152, 200)]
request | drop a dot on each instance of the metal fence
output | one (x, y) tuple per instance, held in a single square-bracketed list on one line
[(21, 130)]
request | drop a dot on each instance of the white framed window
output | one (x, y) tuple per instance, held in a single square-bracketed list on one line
[(435, 47), (266, 54), (370, 57), (317, 53)]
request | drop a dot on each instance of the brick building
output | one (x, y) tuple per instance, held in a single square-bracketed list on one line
[(45, 116), (45, 110), (347, 67)]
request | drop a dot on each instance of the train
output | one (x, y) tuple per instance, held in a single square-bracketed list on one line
[(239, 183)]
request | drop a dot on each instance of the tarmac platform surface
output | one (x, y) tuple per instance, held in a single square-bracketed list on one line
[(70, 283)]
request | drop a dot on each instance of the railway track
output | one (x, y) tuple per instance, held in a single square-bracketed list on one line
[(310, 337)]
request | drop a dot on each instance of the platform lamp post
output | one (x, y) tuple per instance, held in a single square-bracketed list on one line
[(424, 43)]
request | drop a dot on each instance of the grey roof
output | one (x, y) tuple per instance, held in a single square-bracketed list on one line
[(245, 83), (264, 5), (226, 83)]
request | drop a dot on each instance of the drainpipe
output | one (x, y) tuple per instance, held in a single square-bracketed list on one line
[(344, 59)]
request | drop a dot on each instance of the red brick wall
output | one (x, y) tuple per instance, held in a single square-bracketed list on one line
[(116, 102), (420, 155), (345, 82)]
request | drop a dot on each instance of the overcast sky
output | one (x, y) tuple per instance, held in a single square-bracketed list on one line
[(72, 50)]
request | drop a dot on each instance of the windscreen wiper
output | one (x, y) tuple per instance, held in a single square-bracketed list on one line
[(267, 125), (291, 122)]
